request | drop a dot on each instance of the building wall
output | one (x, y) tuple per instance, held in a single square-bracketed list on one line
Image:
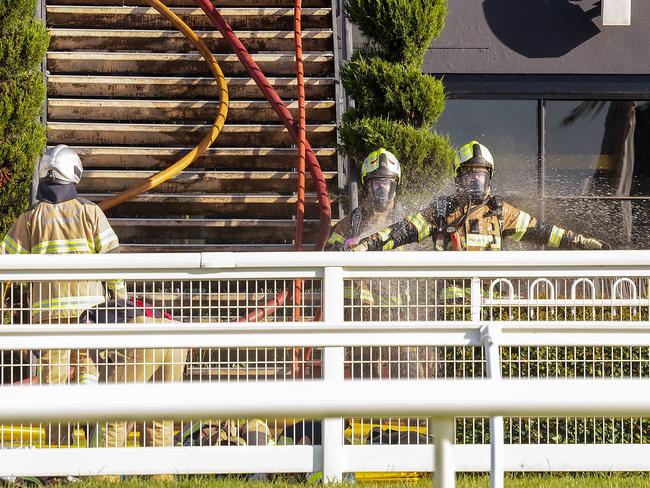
[(539, 36), (563, 103)]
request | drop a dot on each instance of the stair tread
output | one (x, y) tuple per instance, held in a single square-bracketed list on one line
[(220, 57), (233, 197), (225, 11), (260, 175), (164, 80), (147, 63), (158, 248), (112, 157), (135, 40), (147, 10), (145, 17), (180, 111), (154, 33), (185, 87), (83, 102), (171, 127), (191, 3), (160, 222)]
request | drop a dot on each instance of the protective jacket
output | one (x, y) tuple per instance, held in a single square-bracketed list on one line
[(457, 225), (357, 223), (65, 224)]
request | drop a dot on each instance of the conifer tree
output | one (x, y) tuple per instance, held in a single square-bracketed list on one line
[(396, 104), (23, 43)]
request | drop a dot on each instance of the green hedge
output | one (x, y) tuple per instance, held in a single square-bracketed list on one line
[(393, 90), (423, 153), (401, 29), (396, 104), (23, 43)]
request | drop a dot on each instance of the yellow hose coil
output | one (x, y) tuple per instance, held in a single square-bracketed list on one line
[(207, 141)]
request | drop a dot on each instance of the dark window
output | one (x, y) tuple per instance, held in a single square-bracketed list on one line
[(508, 128)]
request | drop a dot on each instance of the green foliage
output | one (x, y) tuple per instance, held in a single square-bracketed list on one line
[(23, 43), (393, 90), (401, 29), (396, 105), (421, 151), (18, 153), (12, 9), (21, 101)]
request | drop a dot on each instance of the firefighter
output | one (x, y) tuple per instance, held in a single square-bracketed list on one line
[(473, 219), (62, 223), (380, 175)]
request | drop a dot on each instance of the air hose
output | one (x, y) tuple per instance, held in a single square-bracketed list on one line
[(280, 108), (209, 138)]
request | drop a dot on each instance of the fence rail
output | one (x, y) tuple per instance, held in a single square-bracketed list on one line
[(464, 334)]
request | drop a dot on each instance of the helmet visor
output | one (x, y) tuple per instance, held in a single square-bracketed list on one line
[(475, 181), (382, 192)]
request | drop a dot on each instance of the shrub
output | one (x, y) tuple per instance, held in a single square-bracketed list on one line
[(420, 150), (393, 90), (396, 105), (401, 29), (23, 43)]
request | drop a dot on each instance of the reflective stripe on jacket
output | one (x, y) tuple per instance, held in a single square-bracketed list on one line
[(482, 228), (75, 226)]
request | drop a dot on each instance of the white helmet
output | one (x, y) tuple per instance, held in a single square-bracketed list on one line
[(61, 165)]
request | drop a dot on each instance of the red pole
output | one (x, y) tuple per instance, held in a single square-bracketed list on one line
[(300, 208)]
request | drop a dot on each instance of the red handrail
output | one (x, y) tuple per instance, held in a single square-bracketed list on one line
[(280, 108)]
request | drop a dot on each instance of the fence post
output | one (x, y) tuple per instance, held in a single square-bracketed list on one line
[(489, 339), (444, 464), (333, 359)]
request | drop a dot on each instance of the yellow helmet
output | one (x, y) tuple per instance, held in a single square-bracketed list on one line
[(474, 155), (380, 163)]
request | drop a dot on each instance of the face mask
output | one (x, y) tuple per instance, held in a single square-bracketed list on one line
[(475, 183), (381, 192)]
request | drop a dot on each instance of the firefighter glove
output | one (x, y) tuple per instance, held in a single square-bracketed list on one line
[(350, 244), (582, 242), (360, 247)]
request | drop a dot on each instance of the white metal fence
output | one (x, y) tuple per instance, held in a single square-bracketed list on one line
[(382, 317)]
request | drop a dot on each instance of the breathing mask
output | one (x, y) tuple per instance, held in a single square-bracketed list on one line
[(381, 192)]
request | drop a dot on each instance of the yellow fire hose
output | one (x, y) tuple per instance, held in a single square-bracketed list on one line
[(207, 141)]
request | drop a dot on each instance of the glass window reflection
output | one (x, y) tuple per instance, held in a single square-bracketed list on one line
[(597, 148), (597, 167), (508, 128)]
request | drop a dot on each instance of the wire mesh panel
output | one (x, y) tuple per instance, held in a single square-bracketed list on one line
[(410, 363), (117, 302), (407, 299), (624, 299), (576, 362), (450, 300), (172, 302)]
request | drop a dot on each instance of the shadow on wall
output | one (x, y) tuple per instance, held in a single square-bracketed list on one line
[(542, 28)]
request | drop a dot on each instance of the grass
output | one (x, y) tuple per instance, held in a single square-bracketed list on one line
[(598, 480)]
